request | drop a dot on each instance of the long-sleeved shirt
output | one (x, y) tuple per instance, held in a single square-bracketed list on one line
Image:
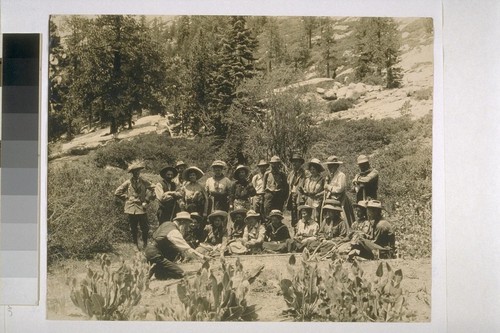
[(313, 188), (166, 192), (383, 234), (256, 234), (242, 190), (336, 186), (277, 233), (295, 179), (135, 192), (219, 190), (331, 230), (195, 197), (275, 181), (307, 230), (258, 183), (369, 180)]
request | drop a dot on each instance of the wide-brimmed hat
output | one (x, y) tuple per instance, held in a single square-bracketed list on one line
[(275, 159), (361, 204), (216, 213), (374, 204), (180, 163), (196, 170), (276, 212), (218, 163), (135, 165), (301, 207), (241, 167), (168, 168), (251, 213), (297, 157), (197, 218), (332, 207), (262, 163), (316, 162), (362, 159), (333, 160), (183, 217), (240, 211)]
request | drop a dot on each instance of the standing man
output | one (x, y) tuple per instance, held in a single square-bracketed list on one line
[(179, 181), (335, 188), (168, 244), (167, 195), (366, 181), (258, 184), (136, 192), (275, 187), (295, 180)]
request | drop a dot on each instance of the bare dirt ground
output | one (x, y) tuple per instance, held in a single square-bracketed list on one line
[(264, 292)]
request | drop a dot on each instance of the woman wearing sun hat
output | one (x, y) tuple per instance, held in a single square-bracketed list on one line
[(306, 230), (218, 188), (242, 190), (295, 179), (194, 195), (136, 192), (216, 233), (312, 189), (276, 233), (335, 188)]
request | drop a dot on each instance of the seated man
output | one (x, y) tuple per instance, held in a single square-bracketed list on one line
[(253, 235), (380, 240), (167, 245), (238, 225), (216, 235), (196, 233), (276, 233), (307, 230), (332, 232)]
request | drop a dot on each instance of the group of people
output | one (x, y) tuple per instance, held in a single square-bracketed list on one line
[(245, 215)]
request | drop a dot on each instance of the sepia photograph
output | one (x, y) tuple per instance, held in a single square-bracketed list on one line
[(240, 168)]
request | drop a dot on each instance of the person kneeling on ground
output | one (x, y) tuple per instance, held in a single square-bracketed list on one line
[(167, 245), (307, 230), (380, 241), (276, 233), (333, 231), (253, 235), (216, 234)]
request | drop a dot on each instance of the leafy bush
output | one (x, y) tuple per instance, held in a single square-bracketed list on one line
[(424, 94), (340, 105), (343, 294), (157, 151), (111, 294), (206, 299)]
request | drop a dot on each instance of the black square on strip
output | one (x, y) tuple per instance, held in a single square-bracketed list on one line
[(21, 60)]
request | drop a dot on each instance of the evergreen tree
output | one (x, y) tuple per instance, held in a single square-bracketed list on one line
[(327, 45)]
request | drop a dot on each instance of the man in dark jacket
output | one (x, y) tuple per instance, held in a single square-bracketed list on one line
[(167, 195), (167, 245), (275, 187), (366, 181)]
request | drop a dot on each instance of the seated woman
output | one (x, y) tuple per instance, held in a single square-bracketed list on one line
[(216, 235), (196, 233), (307, 230), (276, 233), (238, 223), (253, 235), (333, 230)]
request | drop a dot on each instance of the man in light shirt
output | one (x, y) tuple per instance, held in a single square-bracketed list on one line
[(258, 184)]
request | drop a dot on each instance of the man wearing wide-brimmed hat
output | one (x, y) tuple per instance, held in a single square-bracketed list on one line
[(276, 233), (275, 186), (254, 232), (238, 223), (137, 193), (361, 223), (168, 245), (258, 184), (335, 187), (194, 195), (167, 194), (242, 190), (366, 181), (295, 180), (179, 179), (312, 190), (218, 188)]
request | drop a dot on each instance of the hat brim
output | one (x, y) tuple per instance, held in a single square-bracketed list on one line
[(263, 164), (247, 170), (301, 160), (302, 207), (168, 168), (199, 173), (321, 167), (135, 168), (333, 208), (257, 216), (184, 219), (238, 212), (277, 215), (215, 214), (334, 162)]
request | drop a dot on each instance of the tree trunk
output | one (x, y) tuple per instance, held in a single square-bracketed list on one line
[(113, 126)]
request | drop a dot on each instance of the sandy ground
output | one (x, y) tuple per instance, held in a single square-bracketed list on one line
[(264, 292)]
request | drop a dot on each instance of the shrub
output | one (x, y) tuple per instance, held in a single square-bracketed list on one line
[(111, 294), (341, 104), (206, 299), (424, 94), (344, 294)]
